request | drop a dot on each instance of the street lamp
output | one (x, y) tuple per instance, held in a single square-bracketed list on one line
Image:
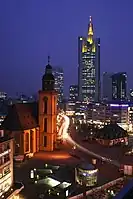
[(84, 188)]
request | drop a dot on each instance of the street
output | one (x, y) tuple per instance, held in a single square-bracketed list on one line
[(108, 171)]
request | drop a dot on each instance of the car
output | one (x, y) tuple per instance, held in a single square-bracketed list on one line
[(74, 147)]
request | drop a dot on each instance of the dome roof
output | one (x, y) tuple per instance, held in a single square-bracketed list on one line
[(86, 166), (48, 79)]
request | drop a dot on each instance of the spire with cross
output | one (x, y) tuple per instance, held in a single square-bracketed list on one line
[(48, 59)]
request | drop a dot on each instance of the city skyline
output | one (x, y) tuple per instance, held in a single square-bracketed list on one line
[(26, 40)]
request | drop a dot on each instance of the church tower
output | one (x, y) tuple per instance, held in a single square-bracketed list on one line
[(47, 111)]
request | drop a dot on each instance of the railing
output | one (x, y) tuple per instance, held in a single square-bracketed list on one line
[(105, 186), (17, 191)]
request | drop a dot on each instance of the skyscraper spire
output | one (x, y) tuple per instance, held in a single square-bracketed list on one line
[(90, 31)]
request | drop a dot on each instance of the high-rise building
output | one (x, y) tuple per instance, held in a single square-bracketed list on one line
[(3, 95), (119, 86), (73, 93), (89, 66), (59, 82), (107, 86)]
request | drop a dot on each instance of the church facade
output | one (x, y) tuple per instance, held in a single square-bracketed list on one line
[(33, 125)]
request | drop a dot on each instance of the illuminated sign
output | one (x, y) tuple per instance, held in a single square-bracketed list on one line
[(119, 105), (119, 140)]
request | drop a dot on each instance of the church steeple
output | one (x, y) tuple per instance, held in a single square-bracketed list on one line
[(48, 80), (90, 31), (48, 59)]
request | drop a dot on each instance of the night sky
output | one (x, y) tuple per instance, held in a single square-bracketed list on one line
[(30, 30)]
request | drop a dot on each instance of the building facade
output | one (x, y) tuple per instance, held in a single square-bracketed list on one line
[(59, 83), (103, 113), (119, 86), (47, 111), (112, 134), (8, 189), (86, 173), (73, 93), (107, 86), (89, 66), (6, 164)]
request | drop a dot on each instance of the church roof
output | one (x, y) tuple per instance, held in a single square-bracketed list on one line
[(111, 131), (21, 117)]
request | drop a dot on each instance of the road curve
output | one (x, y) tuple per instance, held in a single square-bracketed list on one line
[(66, 136)]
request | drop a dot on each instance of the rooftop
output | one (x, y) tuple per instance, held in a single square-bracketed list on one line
[(86, 166), (21, 117), (63, 185), (111, 131), (49, 181)]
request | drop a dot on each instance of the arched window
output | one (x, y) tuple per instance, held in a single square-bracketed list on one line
[(45, 105), (27, 140), (55, 105)]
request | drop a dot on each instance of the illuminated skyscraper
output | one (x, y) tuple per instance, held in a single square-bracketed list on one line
[(59, 82), (89, 66), (119, 86), (107, 86), (73, 93)]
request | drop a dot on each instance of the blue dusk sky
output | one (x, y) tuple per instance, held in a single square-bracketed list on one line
[(30, 30)]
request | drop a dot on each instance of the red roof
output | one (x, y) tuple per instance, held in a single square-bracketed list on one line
[(20, 117)]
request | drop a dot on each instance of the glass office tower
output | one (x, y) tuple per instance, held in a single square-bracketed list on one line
[(59, 82), (119, 86), (89, 66)]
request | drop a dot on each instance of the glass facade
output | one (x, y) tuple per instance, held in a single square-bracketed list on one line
[(89, 67), (87, 177), (59, 82), (88, 74), (119, 86), (73, 93)]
